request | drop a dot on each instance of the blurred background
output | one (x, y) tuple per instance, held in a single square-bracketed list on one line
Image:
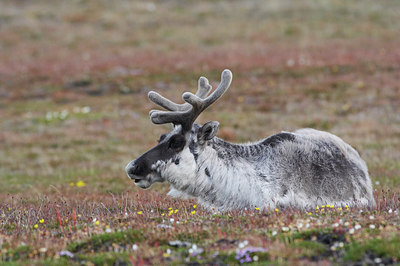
[(74, 77)]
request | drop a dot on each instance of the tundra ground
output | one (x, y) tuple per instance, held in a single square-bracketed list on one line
[(74, 76)]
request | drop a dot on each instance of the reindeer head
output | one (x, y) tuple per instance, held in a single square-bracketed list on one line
[(176, 152)]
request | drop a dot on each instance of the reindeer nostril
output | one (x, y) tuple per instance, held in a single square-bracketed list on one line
[(131, 171)]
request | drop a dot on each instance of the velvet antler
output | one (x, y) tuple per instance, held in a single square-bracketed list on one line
[(185, 114)]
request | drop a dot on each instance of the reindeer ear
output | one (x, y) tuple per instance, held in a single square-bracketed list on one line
[(207, 131)]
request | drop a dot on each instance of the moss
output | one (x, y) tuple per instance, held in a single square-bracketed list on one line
[(104, 241), (382, 248), (19, 253), (310, 248), (106, 259)]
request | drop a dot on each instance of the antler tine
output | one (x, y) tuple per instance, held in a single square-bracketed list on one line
[(203, 90), (202, 104), (165, 103), (186, 114)]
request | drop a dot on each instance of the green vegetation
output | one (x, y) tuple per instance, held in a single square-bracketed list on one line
[(104, 241), (74, 76), (381, 248)]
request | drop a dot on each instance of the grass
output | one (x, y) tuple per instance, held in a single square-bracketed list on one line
[(73, 83)]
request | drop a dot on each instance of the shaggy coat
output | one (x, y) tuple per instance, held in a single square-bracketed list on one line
[(302, 169)]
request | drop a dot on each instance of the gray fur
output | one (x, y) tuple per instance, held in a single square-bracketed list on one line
[(301, 169), (309, 168)]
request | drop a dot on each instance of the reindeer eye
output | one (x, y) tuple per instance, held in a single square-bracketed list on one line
[(177, 142), (162, 137)]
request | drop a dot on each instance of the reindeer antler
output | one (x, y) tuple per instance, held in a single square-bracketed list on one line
[(185, 114)]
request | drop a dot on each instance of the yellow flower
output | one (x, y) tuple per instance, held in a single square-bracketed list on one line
[(139, 212), (41, 221), (169, 208), (170, 212), (176, 211), (257, 209), (327, 206), (332, 206), (193, 212), (97, 223), (162, 214), (276, 210), (347, 207), (165, 255), (309, 213), (80, 183), (339, 209), (72, 184), (194, 206), (79, 215), (317, 208), (36, 226), (323, 206)]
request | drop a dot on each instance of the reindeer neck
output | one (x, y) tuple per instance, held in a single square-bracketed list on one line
[(227, 174)]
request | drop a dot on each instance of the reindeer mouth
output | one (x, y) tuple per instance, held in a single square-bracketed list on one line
[(137, 180)]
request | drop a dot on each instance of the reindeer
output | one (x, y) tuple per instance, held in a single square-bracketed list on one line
[(301, 169)]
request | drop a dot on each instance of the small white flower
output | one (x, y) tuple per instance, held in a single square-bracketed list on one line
[(134, 247), (290, 62), (194, 247), (357, 227), (299, 225), (377, 260), (168, 251), (372, 226), (108, 230), (255, 258), (371, 217), (85, 110), (285, 229), (274, 233), (377, 182), (42, 250), (346, 224), (64, 114), (172, 220), (351, 231), (335, 225), (390, 211), (49, 116)]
